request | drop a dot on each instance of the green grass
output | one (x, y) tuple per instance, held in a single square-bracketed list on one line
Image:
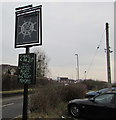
[(14, 91)]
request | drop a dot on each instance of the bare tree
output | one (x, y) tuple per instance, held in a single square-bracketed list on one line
[(41, 63)]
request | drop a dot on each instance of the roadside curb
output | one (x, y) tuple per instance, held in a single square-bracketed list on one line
[(9, 94)]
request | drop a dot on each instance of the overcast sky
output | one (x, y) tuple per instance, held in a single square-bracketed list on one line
[(69, 28)]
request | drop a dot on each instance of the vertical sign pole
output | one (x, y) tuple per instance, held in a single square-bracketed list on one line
[(25, 99), (108, 56)]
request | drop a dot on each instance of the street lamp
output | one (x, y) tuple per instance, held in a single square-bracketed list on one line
[(77, 67), (85, 74)]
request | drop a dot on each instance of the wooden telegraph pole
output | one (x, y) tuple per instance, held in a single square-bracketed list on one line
[(108, 56)]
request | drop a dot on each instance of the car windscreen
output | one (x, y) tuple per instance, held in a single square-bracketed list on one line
[(104, 98)]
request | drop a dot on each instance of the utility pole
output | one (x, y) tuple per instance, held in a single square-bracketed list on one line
[(108, 56), (77, 67)]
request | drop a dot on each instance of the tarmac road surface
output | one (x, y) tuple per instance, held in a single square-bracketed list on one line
[(12, 107)]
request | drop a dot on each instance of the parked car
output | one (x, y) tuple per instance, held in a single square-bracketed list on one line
[(94, 93), (102, 106), (91, 94)]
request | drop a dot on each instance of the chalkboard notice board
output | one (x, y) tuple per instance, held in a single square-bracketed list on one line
[(27, 68)]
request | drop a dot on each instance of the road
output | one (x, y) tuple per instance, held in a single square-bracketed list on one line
[(12, 107)]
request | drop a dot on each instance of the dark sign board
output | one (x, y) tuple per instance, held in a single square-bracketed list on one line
[(27, 68), (28, 28)]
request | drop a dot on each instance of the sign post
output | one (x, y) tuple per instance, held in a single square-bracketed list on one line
[(28, 33), (25, 99)]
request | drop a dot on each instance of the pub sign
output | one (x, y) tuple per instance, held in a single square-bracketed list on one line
[(28, 28)]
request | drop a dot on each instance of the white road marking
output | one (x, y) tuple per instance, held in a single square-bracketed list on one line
[(7, 104), (18, 117)]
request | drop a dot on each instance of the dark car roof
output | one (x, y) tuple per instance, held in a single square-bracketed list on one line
[(85, 100), (111, 92), (108, 92), (104, 90), (107, 89)]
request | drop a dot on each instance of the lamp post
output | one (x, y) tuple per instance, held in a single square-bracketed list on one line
[(85, 74), (77, 67)]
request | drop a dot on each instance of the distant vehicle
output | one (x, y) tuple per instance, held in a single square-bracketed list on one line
[(94, 93), (99, 107)]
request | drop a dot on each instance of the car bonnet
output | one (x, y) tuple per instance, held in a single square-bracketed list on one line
[(79, 100)]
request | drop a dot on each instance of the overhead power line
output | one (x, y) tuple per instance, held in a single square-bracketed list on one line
[(93, 58)]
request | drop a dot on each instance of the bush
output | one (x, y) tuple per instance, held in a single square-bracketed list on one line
[(44, 99), (52, 100), (94, 85), (73, 92)]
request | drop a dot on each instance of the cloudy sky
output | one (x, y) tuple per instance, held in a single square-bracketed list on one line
[(69, 28)]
